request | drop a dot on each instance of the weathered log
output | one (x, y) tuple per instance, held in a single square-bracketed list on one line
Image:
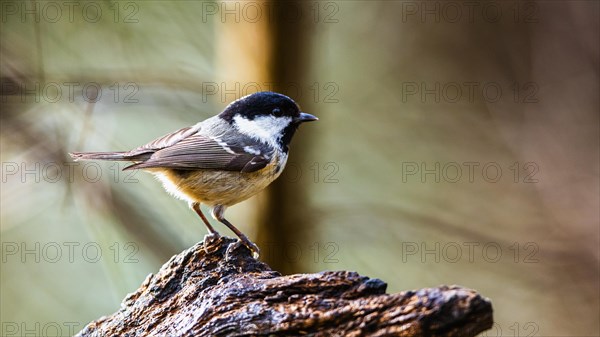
[(217, 288)]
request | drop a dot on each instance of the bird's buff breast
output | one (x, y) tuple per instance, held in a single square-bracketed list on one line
[(219, 187)]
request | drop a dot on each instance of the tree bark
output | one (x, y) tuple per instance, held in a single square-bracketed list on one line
[(216, 288)]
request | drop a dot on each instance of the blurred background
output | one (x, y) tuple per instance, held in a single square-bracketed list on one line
[(457, 144)]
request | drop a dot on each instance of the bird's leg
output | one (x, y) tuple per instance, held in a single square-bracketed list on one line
[(212, 236), (217, 213), (196, 207)]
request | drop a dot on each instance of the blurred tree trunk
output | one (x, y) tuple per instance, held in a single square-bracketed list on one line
[(244, 54), (285, 220)]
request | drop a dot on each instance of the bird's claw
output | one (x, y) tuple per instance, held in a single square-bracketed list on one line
[(247, 243), (211, 240), (254, 250)]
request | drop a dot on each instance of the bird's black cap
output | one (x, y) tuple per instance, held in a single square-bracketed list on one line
[(261, 104)]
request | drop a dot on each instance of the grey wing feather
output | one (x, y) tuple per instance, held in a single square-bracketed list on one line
[(202, 152), (140, 153), (165, 141)]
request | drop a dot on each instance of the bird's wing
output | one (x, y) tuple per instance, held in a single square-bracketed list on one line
[(143, 152), (204, 152), (165, 141)]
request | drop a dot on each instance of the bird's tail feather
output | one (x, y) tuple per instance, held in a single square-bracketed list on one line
[(100, 155)]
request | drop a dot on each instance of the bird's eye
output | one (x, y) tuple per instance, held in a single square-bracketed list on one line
[(277, 112)]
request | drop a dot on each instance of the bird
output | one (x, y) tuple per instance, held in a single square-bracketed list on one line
[(222, 160)]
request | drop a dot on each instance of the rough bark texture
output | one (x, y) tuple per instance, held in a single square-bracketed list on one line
[(216, 288)]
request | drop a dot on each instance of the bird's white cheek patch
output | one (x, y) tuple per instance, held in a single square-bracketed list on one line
[(265, 128)]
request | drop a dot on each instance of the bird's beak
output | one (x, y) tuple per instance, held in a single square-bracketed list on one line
[(304, 117)]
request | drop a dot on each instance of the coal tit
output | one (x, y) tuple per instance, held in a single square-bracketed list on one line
[(224, 159)]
